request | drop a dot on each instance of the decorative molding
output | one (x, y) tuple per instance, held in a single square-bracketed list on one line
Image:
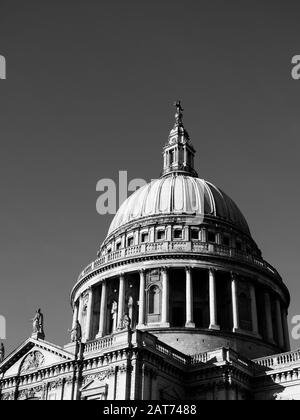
[(32, 361)]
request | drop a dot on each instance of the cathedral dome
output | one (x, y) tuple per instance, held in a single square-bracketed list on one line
[(179, 261), (179, 194)]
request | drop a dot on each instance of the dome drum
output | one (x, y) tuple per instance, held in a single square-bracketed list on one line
[(218, 306)]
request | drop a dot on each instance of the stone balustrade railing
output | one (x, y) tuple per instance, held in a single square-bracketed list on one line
[(115, 340), (173, 354), (274, 362), (199, 358), (100, 344), (177, 246)]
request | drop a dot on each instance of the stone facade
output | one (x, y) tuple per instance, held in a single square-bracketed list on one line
[(179, 304), (136, 365)]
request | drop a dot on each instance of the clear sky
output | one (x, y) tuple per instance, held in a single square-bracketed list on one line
[(89, 92)]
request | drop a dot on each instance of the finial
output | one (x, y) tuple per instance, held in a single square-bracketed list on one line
[(179, 110)]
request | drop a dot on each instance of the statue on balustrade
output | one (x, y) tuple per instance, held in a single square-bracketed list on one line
[(125, 322), (114, 313), (38, 325), (76, 333)]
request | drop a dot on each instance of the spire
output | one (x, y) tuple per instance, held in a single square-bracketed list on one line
[(179, 152)]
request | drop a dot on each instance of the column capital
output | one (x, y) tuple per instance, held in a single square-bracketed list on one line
[(188, 268), (142, 271), (164, 269)]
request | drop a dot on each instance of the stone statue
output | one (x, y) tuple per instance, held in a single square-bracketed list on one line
[(125, 322), (32, 361), (38, 323), (76, 333), (2, 352), (114, 312), (179, 110)]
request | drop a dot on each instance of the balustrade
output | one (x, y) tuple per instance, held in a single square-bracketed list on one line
[(177, 246)]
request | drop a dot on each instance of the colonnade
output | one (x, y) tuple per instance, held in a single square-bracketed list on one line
[(281, 315)]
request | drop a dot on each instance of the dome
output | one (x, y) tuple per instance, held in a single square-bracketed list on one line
[(178, 194), (179, 262)]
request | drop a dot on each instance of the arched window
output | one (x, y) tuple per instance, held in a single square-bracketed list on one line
[(154, 300)]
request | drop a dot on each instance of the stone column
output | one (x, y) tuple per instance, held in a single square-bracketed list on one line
[(218, 238), (75, 314), (103, 310), (165, 298), (141, 321), (253, 310), (269, 325), (184, 156), (279, 324), (121, 304), (80, 307), (89, 315), (213, 323), (204, 235), (235, 302), (286, 329), (189, 298)]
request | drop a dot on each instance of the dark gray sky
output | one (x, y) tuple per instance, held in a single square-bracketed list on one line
[(89, 92)]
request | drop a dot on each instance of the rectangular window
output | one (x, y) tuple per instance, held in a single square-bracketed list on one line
[(144, 237), (211, 237), (171, 157), (160, 235), (118, 246), (177, 233), (195, 234), (226, 240), (130, 241)]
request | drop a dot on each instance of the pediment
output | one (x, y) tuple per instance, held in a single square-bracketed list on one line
[(95, 381), (95, 386), (32, 356)]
